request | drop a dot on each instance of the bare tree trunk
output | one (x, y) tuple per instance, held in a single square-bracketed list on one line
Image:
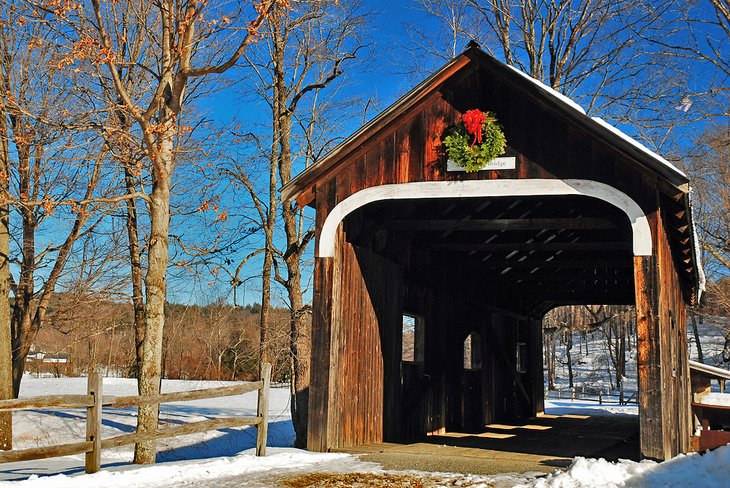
[(550, 347), (266, 272), (299, 351), (135, 262), (298, 337), (6, 350), (621, 357), (696, 333), (21, 331), (568, 347), (156, 294)]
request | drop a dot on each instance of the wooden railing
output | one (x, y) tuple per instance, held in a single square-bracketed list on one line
[(93, 402), (595, 395)]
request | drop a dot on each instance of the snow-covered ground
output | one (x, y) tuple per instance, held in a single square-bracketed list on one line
[(225, 458), (712, 340), (593, 370)]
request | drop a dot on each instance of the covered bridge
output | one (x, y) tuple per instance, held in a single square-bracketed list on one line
[(574, 213)]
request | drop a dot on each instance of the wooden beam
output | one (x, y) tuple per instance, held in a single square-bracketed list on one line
[(558, 277), (475, 300), (568, 263), (651, 415), (532, 246), (500, 224), (573, 289), (306, 197)]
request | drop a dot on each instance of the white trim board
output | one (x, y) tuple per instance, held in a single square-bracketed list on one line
[(642, 244)]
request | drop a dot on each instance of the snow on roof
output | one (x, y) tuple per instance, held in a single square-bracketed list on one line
[(701, 278), (550, 91), (575, 106), (638, 145)]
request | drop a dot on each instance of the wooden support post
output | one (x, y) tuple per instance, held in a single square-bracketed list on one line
[(319, 387), (93, 422), (648, 359), (536, 372), (263, 410)]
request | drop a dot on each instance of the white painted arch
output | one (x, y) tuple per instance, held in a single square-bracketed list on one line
[(642, 244)]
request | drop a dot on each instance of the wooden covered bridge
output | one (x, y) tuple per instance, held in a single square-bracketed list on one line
[(574, 213)]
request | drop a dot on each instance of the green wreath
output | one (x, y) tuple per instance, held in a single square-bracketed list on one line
[(476, 141)]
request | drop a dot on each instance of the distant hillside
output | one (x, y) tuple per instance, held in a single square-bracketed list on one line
[(214, 341)]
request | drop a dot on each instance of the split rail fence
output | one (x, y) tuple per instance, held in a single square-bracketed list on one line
[(93, 402)]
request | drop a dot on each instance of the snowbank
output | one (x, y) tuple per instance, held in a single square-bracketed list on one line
[(205, 473), (686, 471)]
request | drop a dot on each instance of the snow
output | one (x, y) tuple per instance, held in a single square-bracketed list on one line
[(722, 399), (638, 145), (691, 470), (196, 473), (575, 106), (586, 407), (225, 458)]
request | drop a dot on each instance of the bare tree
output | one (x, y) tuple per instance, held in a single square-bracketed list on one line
[(712, 206), (6, 349), (186, 46), (308, 49), (451, 25), (597, 52), (53, 171)]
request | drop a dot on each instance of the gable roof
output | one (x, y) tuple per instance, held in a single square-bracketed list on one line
[(555, 100), (673, 180)]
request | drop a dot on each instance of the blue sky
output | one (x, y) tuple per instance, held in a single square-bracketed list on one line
[(383, 82)]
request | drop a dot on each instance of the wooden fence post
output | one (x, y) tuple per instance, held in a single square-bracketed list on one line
[(263, 410), (93, 422)]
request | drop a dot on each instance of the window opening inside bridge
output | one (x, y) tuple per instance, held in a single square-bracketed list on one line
[(473, 352), (412, 339), (521, 357)]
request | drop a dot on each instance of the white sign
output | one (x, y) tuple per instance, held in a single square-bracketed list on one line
[(494, 164)]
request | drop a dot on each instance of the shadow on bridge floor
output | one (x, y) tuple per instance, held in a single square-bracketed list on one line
[(538, 444)]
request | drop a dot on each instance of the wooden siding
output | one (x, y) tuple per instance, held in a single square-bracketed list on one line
[(544, 143), (362, 399), (676, 386), (664, 378)]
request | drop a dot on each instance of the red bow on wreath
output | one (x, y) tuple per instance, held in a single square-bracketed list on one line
[(473, 122)]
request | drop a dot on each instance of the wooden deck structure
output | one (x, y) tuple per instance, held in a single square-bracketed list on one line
[(586, 215)]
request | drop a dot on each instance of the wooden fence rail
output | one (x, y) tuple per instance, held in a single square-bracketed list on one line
[(629, 397), (94, 400)]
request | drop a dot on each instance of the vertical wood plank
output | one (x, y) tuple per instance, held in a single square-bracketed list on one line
[(536, 370), (262, 410), (93, 422), (647, 330)]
